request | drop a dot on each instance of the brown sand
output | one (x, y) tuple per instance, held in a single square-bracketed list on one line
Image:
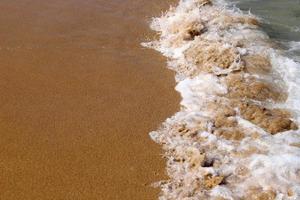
[(78, 98)]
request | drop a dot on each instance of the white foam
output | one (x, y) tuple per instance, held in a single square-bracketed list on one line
[(272, 161), (290, 72), (294, 46), (200, 87)]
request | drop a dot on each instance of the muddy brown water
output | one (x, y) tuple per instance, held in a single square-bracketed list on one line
[(78, 98)]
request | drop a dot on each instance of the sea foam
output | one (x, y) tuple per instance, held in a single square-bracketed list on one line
[(236, 135)]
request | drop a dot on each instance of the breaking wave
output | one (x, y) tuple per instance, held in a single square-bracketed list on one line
[(236, 135)]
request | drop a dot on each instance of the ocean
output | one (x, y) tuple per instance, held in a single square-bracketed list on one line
[(237, 70), (281, 21)]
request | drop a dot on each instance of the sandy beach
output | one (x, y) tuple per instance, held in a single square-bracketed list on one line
[(102, 99), (78, 98)]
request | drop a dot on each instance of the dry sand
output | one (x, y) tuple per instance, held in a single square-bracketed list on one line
[(78, 98)]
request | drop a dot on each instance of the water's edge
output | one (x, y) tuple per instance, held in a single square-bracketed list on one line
[(236, 135)]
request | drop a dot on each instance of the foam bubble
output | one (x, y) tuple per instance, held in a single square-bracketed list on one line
[(236, 135)]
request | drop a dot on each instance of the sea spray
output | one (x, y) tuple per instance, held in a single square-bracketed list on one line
[(236, 135)]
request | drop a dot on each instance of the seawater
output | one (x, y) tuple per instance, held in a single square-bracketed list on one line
[(237, 133), (280, 20)]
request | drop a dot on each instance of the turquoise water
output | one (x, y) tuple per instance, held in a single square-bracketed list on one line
[(281, 20)]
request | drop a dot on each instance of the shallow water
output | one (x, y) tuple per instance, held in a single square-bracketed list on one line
[(281, 21), (281, 18), (236, 135)]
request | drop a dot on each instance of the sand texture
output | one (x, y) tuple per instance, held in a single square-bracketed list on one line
[(78, 98)]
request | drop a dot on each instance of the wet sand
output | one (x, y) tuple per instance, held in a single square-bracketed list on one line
[(78, 98), (235, 134)]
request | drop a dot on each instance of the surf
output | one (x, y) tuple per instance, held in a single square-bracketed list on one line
[(236, 135)]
